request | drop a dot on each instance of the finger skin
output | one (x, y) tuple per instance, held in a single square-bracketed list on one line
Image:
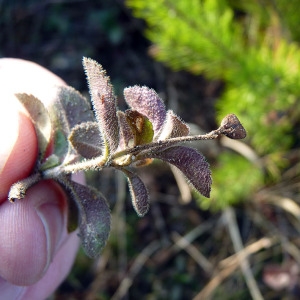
[(35, 249), (57, 271), (31, 231), (20, 155)]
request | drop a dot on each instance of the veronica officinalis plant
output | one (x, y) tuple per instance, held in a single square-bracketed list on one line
[(84, 140)]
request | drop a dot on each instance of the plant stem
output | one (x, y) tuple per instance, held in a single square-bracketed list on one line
[(90, 164), (170, 142), (18, 189), (100, 162)]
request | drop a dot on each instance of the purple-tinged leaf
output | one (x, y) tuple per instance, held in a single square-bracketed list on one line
[(86, 139), (126, 135), (141, 127), (40, 119), (94, 216), (147, 102), (73, 207), (173, 127), (191, 163), (138, 192), (233, 127), (69, 109), (104, 102)]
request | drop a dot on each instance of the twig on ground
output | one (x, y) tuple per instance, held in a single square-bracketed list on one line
[(243, 261), (137, 265), (201, 260), (228, 265)]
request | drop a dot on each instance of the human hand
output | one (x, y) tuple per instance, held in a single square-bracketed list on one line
[(36, 252)]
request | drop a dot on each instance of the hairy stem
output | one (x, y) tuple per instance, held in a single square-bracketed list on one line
[(170, 142), (100, 162), (18, 189), (90, 164)]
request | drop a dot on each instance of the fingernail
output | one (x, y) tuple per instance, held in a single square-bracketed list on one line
[(9, 128), (52, 219)]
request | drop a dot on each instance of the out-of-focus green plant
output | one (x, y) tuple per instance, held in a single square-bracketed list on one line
[(253, 48)]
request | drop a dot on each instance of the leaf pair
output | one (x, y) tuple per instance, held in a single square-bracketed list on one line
[(111, 138), (67, 110), (146, 122)]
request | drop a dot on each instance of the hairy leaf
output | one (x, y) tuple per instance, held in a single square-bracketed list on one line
[(86, 139), (138, 192), (40, 119), (126, 134), (94, 216), (69, 109), (173, 127), (73, 215), (191, 163), (73, 207), (104, 102), (141, 127), (147, 102)]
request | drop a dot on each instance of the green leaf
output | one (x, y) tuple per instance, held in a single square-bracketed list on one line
[(61, 145), (50, 162), (40, 119), (141, 127), (94, 216), (86, 139)]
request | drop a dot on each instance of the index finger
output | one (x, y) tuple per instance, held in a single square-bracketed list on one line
[(19, 144)]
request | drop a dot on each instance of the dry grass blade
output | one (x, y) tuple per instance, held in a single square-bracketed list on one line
[(167, 254), (135, 269), (238, 246), (286, 204), (293, 250), (263, 243), (228, 265), (242, 149), (183, 186), (119, 219), (201, 260)]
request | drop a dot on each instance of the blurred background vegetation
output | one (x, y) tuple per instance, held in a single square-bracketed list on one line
[(206, 59)]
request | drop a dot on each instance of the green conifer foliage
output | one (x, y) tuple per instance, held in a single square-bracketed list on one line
[(253, 47)]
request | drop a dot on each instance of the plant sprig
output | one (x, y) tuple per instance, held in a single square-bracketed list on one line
[(112, 138)]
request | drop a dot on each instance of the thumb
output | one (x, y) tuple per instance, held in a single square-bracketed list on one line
[(31, 231), (18, 149)]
